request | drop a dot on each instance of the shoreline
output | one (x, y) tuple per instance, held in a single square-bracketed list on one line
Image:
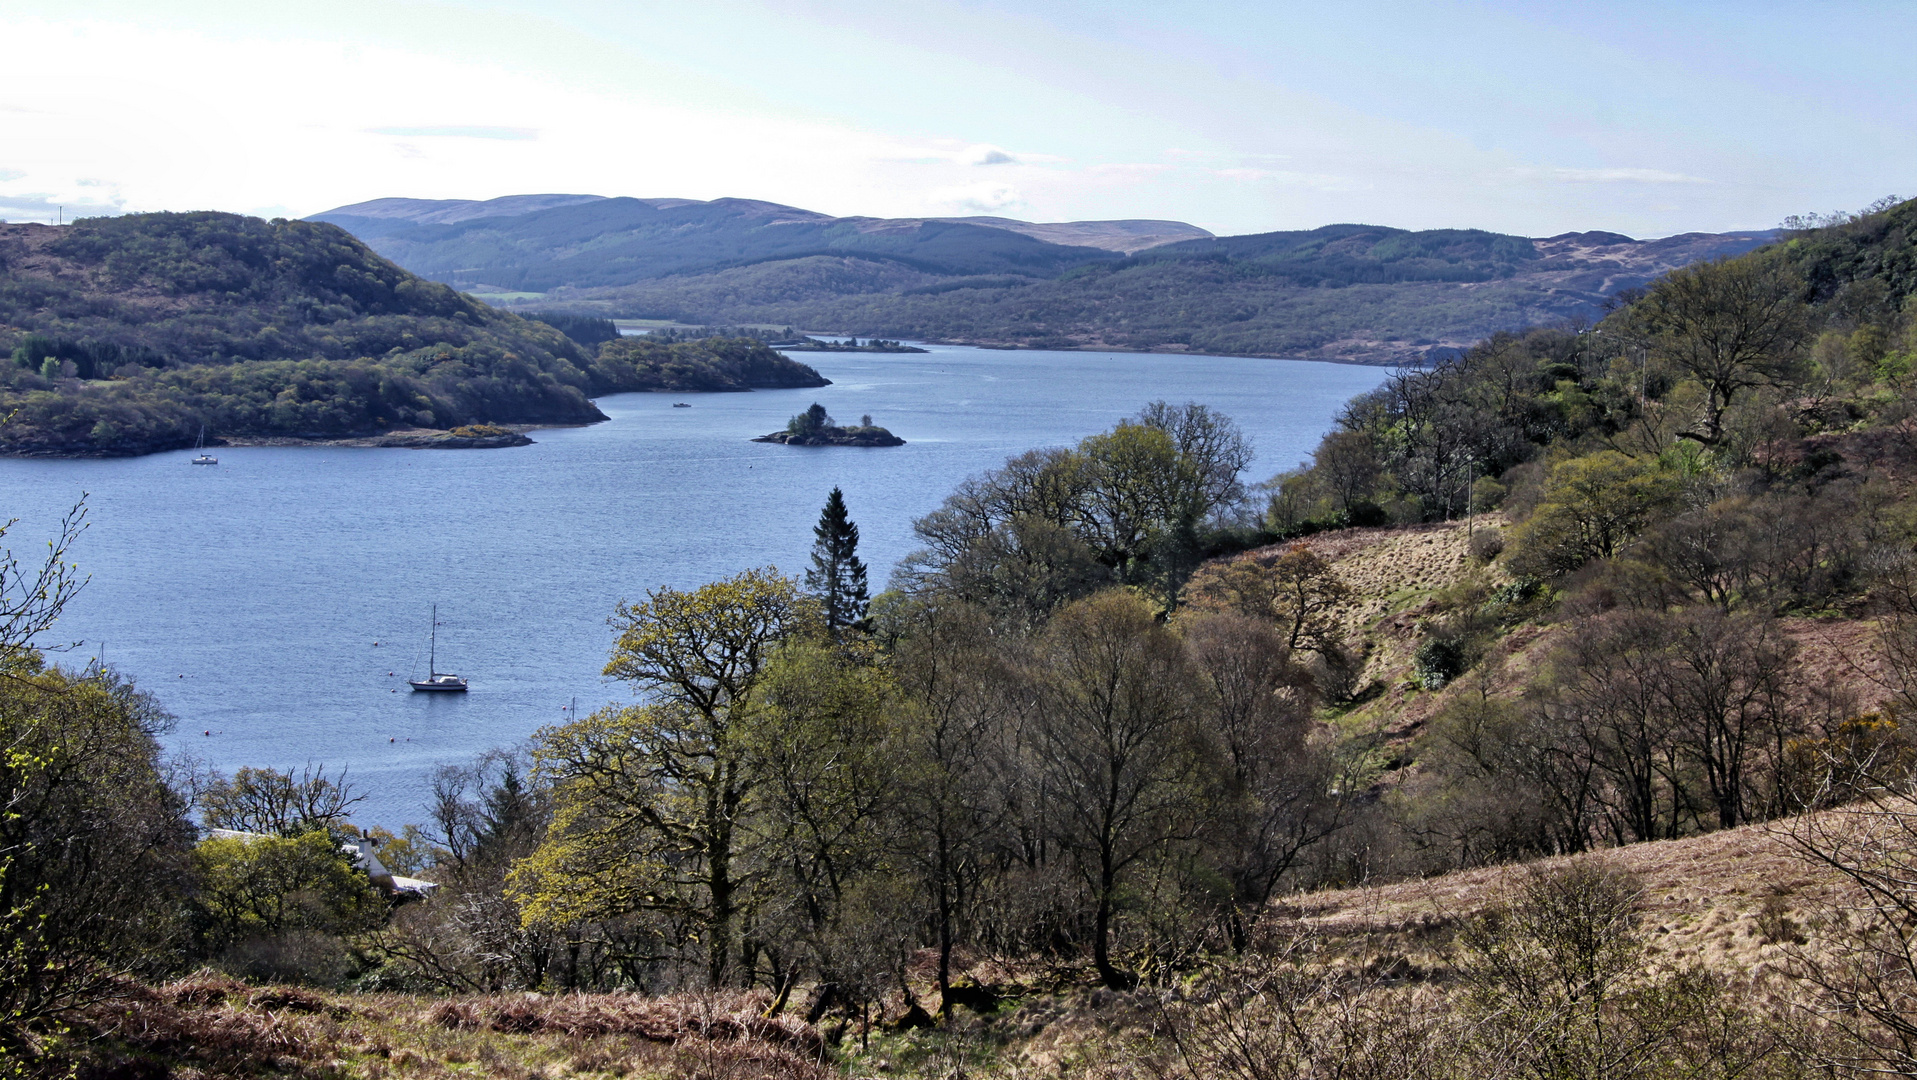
[(379, 440), (1169, 350)]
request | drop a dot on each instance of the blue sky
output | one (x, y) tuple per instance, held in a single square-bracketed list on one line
[(1536, 118)]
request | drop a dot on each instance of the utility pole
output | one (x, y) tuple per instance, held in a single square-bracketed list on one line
[(1470, 517)]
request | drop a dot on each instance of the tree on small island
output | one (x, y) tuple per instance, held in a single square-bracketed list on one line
[(815, 427), (810, 422), (837, 576)]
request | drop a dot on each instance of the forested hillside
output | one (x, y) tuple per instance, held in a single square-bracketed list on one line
[(1352, 293), (1346, 292), (129, 334)]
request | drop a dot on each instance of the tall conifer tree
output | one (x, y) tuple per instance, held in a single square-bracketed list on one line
[(837, 576)]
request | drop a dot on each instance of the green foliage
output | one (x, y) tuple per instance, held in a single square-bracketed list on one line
[(1731, 325), (652, 800), (93, 844), (837, 576), (269, 886), (1437, 661), (585, 330), (810, 422), (1592, 506), (639, 363), (1136, 504), (1874, 246)]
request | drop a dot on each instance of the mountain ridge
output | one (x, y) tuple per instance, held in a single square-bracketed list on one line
[(1350, 292)]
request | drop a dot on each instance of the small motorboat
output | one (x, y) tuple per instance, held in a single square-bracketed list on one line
[(682, 405)]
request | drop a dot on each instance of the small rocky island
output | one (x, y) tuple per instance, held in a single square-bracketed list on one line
[(814, 427), (851, 344), (465, 437)]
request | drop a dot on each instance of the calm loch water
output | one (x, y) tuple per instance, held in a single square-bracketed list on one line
[(277, 602)]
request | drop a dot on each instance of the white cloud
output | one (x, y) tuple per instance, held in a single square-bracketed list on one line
[(460, 131), (986, 155), (1120, 170), (1288, 177), (321, 125), (981, 198), (1610, 176)]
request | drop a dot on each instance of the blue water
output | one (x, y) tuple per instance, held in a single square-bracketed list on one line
[(248, 596)]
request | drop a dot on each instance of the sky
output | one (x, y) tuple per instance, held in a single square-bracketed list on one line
[(1531, 118)]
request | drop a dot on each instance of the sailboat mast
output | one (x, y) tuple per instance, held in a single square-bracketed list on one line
[(432, 647)]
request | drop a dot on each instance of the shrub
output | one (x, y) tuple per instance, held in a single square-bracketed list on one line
[(1486, 544), (1438, 660)]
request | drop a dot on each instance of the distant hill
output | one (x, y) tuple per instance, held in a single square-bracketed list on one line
[(542, 243), (1347, 293), (400, 213), (1125, 237), (1363, 293)]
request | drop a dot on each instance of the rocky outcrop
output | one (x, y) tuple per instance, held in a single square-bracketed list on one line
[(835, 436), (453, 440)]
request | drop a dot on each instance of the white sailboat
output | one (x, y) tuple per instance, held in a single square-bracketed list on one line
[(204, 458), (435, 679)]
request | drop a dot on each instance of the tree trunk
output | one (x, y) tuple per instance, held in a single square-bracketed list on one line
[(719, 925), (1102, 933), (945, 939)]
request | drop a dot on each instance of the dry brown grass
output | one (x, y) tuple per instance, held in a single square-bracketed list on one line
[(212, 1026), (1733, 901)]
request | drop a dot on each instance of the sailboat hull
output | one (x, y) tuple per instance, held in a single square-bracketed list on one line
[(444, 683)]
